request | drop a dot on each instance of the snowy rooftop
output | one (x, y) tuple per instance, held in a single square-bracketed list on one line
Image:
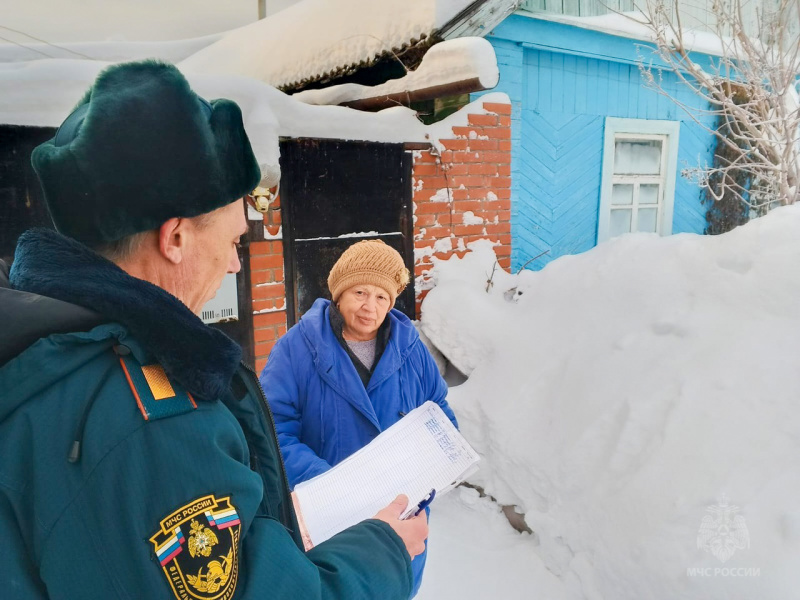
[(318, 40), (633, 25), (451, 61), (42, 93)]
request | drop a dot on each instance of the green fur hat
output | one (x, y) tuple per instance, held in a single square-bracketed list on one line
[(142, 148)]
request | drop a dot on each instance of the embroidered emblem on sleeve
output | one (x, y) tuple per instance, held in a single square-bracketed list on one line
[(197, 548)]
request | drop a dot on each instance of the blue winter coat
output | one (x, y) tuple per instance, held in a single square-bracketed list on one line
[(323, 413)]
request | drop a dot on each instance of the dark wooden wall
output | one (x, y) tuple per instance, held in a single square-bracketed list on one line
[(21, 201), (331, 189), (22, 206)]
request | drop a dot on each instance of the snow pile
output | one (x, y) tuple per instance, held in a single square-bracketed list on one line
[(473, 553), (315, 37), (451, 61), (623, 397)]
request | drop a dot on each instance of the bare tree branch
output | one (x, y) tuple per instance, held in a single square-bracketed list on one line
[(750, 90)]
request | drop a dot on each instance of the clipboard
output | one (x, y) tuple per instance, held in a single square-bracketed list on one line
[(422, 452)]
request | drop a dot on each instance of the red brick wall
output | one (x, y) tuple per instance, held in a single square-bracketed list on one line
[(269, 293), (472, 174)]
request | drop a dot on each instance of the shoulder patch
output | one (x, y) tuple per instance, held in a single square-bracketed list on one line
[(197, 549), (156, 396)]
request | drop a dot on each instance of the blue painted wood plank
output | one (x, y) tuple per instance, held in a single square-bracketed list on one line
[(569, 82), (623, 89), (545, 82), (557, 89), (634, 87), (600, 81), (561, 37), (581, 85), (559, 194)]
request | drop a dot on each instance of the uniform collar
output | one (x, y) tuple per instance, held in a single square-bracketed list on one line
[(198, 357)]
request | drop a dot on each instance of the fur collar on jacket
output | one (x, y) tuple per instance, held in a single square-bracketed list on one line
[(200, 358)]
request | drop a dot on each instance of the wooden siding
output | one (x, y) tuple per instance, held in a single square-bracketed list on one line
[(577, 8), (694, 14), (558, 186), (560, 100)]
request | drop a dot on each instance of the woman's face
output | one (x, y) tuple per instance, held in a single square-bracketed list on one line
[(364, 307)]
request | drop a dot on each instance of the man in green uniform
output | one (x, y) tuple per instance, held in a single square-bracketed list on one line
[(139, 455)]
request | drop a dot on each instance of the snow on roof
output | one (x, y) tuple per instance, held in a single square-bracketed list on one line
[(317, 38), (447, 62), (42, 93), (633, 25)]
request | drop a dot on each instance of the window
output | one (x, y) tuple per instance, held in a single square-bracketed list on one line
[(639, 168)]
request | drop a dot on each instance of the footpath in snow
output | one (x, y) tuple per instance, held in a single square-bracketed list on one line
[(639, 403)]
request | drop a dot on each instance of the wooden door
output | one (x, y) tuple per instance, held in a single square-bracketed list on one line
[(335, 193)]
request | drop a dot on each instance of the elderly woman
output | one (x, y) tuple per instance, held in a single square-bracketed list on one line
[(350, 368)]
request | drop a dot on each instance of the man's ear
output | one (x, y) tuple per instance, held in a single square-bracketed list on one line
[(172, 239)]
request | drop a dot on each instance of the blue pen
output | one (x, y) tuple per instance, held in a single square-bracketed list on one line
[(425, 502)]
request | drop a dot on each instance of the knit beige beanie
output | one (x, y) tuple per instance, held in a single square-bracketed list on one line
[(369, 262)]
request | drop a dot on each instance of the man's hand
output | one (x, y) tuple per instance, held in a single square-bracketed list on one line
[(413, 531)]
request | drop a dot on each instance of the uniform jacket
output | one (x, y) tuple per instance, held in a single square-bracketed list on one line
[(323, 412), (185, 496)]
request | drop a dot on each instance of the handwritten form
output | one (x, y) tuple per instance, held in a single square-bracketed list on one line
[(422, 451)]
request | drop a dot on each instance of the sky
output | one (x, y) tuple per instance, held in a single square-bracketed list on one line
[(124, 20)]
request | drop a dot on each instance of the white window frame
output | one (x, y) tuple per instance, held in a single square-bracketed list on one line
[(642, 129)]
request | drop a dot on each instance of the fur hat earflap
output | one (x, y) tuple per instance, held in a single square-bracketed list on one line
[(142, 148)]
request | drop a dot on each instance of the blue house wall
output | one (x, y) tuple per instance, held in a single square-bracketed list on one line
[(563, 81)]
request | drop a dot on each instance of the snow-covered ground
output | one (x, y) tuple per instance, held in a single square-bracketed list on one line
[(473, 553), (639, 403)]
